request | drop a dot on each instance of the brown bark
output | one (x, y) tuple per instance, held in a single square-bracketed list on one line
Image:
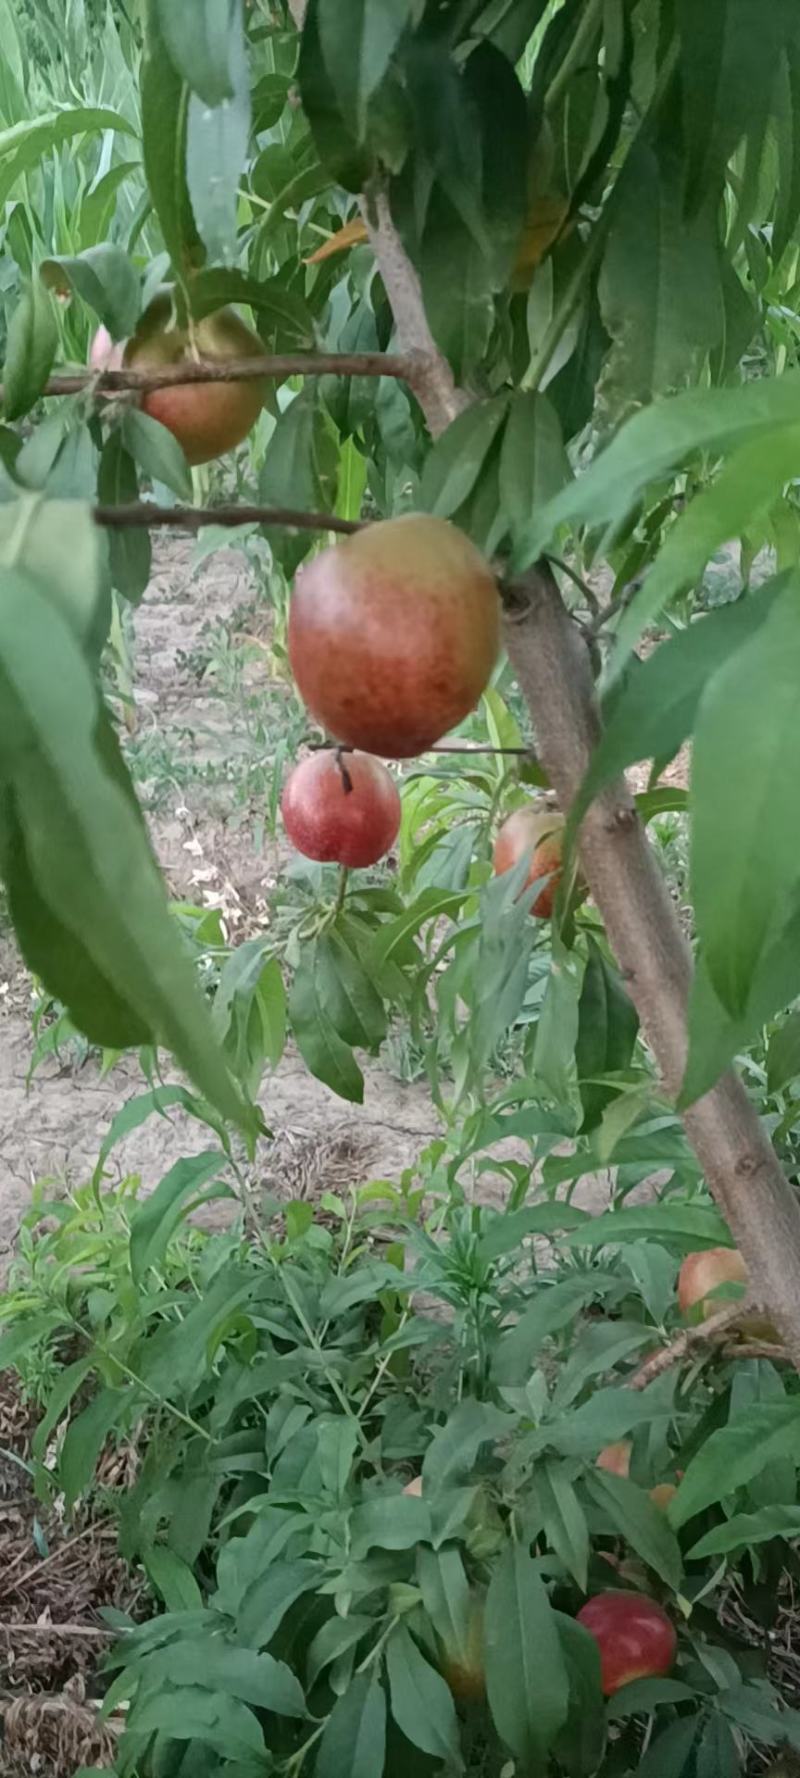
[(142, 516), (276, 365), (434, 383)]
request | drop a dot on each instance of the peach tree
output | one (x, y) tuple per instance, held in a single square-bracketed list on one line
[(531, 269)]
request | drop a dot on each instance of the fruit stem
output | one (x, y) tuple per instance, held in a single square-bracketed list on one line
[(342, 889), (347, 782)]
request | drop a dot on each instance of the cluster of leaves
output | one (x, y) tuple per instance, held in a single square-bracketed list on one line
[(280, 1394)]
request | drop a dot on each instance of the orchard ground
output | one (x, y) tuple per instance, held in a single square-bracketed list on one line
[(201, 666)]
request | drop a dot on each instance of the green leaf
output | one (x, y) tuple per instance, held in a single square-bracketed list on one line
[(783, 1054), (504, 1231), (714, 1037), (533, 462), (643, 1525), (335, 1638), (455, 1446), (354, 1742), (31, 348), (788, 136), (557, 1030), (553, 1307), (734, 1454), (165, 109), (599, 1347), (501, 114), (344, 1290), (745, 1529), (453, 465), (191, 1713), (249, 1013), (174, 1580), (757, 1710), (284, 321), (392, 937), (106, 279), (197, 35), (729, 53), (85, 1438), (526, 1673), (740, 498), (156, 451), (347, 994), (337, 145), (495, 991), (421, 1701), (686, 1226), (327, 1055), (580, 1744), (16, 1341), (745, 865), (63, 550), (269, 1596), (456, 284), (718, 1753), (643, 1696), (358, 39), (63, 1392), (655, 707), (668, 1755), (84, 838), (655, 441), (129, 547), (217, 138), (156, 1219), (608, 1415), (24, 144), (659, 283), (295, 470), (563, 1519), (256, 1679), (447, 1598), (607, 1026), (57, 955)]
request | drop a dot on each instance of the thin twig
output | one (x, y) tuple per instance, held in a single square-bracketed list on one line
[(757, 1349), (478, 747), (10, 1584), (405, 367), (709, 1332), (191, 518), (577, 579), (86, 1630)]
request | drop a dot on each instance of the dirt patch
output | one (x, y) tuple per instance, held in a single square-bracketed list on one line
[(200, 759), (55, 1578)]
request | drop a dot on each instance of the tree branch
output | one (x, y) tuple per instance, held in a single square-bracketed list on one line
[(710, 1332), (434, 384), (142, 515), (405, 369), (552, 667)]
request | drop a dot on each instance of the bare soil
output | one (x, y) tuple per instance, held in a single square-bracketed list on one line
[(208, 840)]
